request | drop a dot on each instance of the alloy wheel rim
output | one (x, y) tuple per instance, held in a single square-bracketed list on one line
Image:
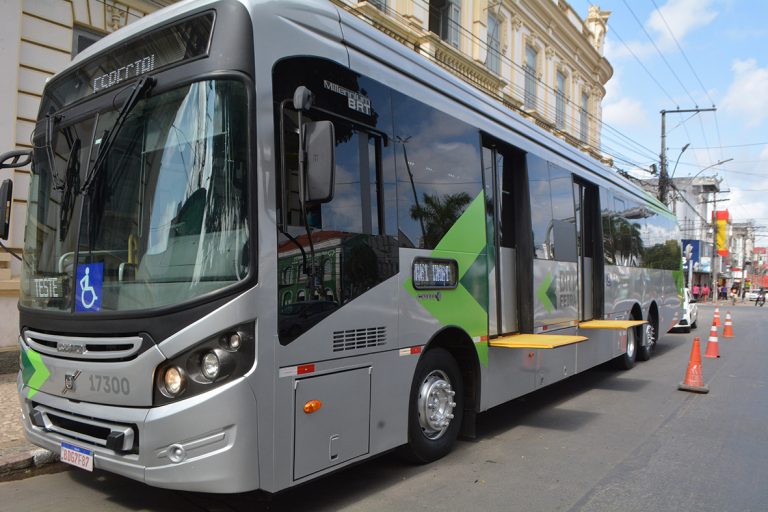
[(435, 404)]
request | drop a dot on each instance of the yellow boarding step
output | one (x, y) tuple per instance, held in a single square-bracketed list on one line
[(611, 324), (535, 340)]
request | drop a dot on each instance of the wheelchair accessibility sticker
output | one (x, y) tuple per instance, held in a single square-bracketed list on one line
[(90, 277)]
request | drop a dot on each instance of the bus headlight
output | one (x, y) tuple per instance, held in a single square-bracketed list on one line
[(211, 365), (173, 380), (200, 368)]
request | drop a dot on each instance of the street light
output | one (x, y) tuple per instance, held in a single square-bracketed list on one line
[(678, 160), (721, 162)]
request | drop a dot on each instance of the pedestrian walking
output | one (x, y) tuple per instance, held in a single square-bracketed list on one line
[(696, 291), (705, 292)]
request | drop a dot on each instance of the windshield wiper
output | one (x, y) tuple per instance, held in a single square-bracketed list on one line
[(142, 87)]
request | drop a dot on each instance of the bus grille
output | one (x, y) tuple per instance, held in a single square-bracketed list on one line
[(354, 339), (81, 347), (117, 437)]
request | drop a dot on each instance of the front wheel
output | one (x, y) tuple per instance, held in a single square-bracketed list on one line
[(436, 407)]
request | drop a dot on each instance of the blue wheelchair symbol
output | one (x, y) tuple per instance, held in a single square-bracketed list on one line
[(90, 277)]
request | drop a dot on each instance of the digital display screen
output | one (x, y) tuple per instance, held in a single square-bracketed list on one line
[(182, 41), (49, 287), (434, 274)]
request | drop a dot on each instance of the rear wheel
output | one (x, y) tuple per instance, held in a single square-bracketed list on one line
[(627, 360), (436, 407), (645, 352)]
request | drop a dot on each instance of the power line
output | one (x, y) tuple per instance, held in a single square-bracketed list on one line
[(661, 15), (671, 70), (540, 107), (669, 96)]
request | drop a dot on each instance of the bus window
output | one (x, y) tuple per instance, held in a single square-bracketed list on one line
[(349, 253), (563, 216), (541, 207), (438, 171)]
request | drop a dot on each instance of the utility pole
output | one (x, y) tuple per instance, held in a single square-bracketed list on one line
[(663, 175)]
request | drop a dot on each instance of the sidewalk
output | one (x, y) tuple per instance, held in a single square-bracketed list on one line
[(16, 454)]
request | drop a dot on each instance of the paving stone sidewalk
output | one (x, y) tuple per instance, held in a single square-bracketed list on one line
[(16, 454)]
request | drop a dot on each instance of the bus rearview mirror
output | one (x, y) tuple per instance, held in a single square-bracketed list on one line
[(6, 199), (319, 164)]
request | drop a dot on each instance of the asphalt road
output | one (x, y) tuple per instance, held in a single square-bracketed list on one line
[(600, 441)]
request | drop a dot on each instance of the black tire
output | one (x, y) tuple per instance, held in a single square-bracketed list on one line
[(437, 382), (651, 337), (626, 361), (693, 324)]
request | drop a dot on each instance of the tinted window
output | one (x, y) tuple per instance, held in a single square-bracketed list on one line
[(563, 217), (541, 207), (438, 171), (609, 248), (349, 235)]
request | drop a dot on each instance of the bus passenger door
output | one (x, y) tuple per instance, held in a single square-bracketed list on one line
[(504, 176), (590, 261)]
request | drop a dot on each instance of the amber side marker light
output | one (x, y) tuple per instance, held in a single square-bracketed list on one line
[(312, 406)]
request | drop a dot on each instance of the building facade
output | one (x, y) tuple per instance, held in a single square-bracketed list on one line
[(38, 38), (536, 56)]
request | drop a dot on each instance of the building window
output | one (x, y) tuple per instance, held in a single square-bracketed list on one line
[(379, 4), (82, 38), (493, 57), (560, 101), (531, 56), (584, 118), (444, 20)]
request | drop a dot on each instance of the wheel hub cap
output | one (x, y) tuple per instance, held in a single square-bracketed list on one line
[(435, 404)]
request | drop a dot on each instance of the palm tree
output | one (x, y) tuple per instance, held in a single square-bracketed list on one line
[(438, 215)]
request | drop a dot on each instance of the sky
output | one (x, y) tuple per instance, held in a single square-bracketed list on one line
[(669, 54)]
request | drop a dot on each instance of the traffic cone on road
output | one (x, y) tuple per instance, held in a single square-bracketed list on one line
[(728, 329), (712, 348), (694, 380), (716, 320)]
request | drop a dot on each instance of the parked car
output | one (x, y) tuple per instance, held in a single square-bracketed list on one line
[(690, 313), (752, 295)]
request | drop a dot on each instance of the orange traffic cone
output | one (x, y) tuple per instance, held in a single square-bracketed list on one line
[(728, 329), (712, 350), (716, 320), (694, 381)]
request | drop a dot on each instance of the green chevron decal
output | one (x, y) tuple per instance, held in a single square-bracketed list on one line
[(547, 294), (33, 371), (466, 306)]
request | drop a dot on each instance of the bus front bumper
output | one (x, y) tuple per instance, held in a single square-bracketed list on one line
[(206, 443)]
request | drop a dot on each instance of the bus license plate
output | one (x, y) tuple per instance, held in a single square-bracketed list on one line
[(76, 456)]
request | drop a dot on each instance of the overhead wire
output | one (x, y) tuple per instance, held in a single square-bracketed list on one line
[(608, 132), (671, 70)]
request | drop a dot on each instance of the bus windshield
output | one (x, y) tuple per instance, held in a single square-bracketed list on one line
[(165, 218)]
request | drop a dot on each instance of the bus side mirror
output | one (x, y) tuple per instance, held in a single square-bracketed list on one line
[(6, 198), (14, 159), (320, 162)]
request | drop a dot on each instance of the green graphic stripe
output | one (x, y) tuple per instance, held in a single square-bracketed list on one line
[(34, 372), (543, 293), (465, 243)]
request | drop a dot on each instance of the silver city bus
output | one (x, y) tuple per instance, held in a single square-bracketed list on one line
[(264, 242)]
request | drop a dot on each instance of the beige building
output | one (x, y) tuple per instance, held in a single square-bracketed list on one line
[(536, 56), (38, 38)]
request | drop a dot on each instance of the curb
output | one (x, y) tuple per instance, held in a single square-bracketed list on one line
[(12, 465)]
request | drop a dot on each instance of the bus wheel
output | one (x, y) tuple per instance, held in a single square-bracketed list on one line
[(436, 407), (645, 352), (627, 360)]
